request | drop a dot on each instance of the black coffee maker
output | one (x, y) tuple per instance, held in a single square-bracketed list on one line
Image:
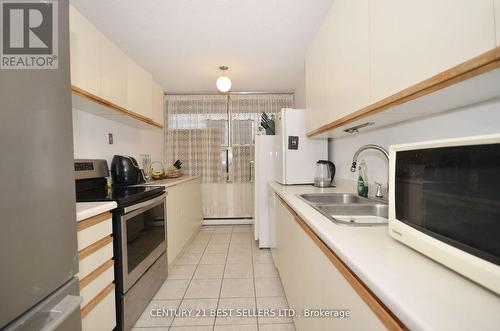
[(125, 171)]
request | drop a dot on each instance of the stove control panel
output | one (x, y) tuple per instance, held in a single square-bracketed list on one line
[(86, 169), (84, 166)]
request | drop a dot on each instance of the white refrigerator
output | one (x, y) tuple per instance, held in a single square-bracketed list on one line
[(39, 289), (289, 158), (296, 155), (264, 173)]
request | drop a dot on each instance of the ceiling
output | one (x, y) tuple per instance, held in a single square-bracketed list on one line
[(183, 42)]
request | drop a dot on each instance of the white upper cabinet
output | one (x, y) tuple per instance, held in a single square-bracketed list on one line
[(114, 74), (139, 90), (497, 21), (157, 103), (315, 83), (414, 40), (337, 64), (100, 68), (369, 50), (348, 58), (85, 46)]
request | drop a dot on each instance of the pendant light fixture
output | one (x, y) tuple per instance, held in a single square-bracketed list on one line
[(223, 82)]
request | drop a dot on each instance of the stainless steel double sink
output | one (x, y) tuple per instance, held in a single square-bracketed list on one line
[(348, 209)]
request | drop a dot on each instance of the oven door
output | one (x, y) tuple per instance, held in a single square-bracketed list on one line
[(142, 238)]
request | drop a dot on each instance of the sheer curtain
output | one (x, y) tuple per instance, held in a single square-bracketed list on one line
[(246, 111), (196, 132), (213, 135)]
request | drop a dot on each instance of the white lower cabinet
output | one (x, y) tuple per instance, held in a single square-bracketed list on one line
[(311, 281), (184, 215), (96, 259), (337, 293), (87, 236), (97, 285), (96, 273), (103, 316)]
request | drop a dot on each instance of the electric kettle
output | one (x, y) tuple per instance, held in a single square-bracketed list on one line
[(325, 171)]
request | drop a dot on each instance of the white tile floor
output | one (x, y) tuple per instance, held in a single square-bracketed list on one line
[(222, 269)]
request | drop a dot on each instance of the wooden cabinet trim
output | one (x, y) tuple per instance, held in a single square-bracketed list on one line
[(476, 66), (377, 306), (88, 222), (95, 247), (96, 273), (96, 300), (109, 104)]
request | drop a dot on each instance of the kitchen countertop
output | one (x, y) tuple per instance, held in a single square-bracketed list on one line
[(171, 181), (85, 210), (422, 293)]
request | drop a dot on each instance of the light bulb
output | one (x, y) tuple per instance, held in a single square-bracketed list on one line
[(223, 83)]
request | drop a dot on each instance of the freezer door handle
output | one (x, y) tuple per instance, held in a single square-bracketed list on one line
[(250, 170), (60, 312)]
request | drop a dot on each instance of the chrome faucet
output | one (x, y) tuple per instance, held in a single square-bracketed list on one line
[(380, 149)]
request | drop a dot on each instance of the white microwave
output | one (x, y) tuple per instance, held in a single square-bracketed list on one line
[(444, 202)]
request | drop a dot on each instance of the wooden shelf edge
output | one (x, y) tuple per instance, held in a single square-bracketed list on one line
[(386, 316), (476, 66), (109, 104)]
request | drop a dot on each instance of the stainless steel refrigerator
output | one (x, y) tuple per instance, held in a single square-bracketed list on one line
[(38, 248)]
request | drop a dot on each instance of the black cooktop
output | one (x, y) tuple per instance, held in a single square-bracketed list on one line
[(122, 195)]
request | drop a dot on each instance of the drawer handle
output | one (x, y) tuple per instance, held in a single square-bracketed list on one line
[(89, 250)]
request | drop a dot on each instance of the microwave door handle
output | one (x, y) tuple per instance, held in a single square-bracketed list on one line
[(127, 210)]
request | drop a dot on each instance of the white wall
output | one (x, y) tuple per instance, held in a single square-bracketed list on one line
[(90, 135), (474, 120), (300, 93)]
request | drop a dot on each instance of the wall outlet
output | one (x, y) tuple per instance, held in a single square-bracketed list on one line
[(110, 138)]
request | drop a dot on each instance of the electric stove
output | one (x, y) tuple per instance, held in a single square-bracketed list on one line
[(122, 195), (92, 186), (139, 237)]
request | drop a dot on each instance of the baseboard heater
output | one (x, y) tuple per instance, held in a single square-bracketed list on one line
[(228, 221)]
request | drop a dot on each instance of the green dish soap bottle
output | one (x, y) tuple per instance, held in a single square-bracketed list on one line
[(362, 180)]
